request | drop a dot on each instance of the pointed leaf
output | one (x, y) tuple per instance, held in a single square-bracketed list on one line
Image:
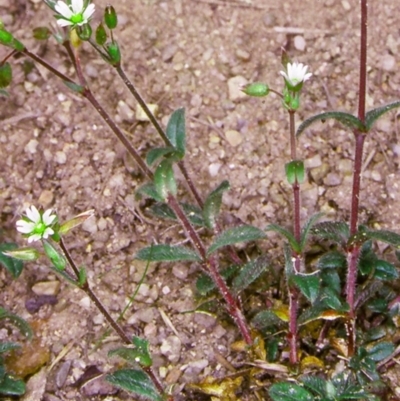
[(249, 273), (287, 234), (386, 236), (164, 179), (308, 284), (74, 87), (138, 355), (334, 230), (307, 227), (289, 392), (331, 299), (319, 385), (55, 257), (176, 131), (332, 260), (14, 266), (348, 120), (193, 213), (167, 253), (150, 191), (135, 381), (380, 351), (154, 154), (212, 204), (204, 283), (372, 115), (385, 271), (236, 235)]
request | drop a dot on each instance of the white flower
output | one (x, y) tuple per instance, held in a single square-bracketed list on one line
[(36, 225), (296, 74), (75, 13)]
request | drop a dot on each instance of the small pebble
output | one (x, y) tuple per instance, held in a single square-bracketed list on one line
[(31, 146), (332, 180), (233, 137), (180, 271), (46, 198), (214, 168), (125, 112), (142, 116), (346, 5), (60, 157), (171, 348), (387, 63), (235, 86), (299, 43), (46, 288)]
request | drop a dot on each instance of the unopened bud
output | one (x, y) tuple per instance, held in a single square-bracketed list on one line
[(295, 172), (101, 35), (110, 17), (256, 89), (56, 258), (114, 53)]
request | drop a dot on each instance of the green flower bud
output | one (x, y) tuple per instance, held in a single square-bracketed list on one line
[(295, 172), (56, 258), (294, 103), (101, 35), (256, 89), (114, 53), (6, 38), (110, 17), (84, 32), (5, 75)]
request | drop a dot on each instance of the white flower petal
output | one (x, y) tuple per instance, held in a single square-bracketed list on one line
[(63, 22), (48, 218), (33, 214), (77, 6), (25, 227), (47, 233), (34, 237), (87, 14), (63, 9)]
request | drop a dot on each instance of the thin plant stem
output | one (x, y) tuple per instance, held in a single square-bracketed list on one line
[(113, 323), (354, 251), (210, 266)]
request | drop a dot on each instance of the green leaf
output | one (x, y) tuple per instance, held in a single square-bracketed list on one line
[(56, 258), (74, 87), (17, 321), (320, 386), (266, 319), (289, 392), (385, 271), (212, 204), (236, 235), (307, 227), (176, 131), (167, 253), (13, 266), (334, 230), (348, 120), (5, 75), (287, 234), (380, 351), (138, 355), (11, 386), (249, 273), (156, 153), (332, 260), (205, 285), (331, 299), (41, 33), (192, 212), (295, 171), (372, 115), (308, 284), (164, 179), (5, 347), (150, 191), (135, 381), (331, 279), (386, 236)]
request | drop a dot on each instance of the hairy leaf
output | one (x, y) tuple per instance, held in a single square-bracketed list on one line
[(176, 131), (17, 321), (346, 119), (164, 179), (135, 381), (193, 213), (212, 204), (150, 191), (167, 253), (205, 285), (287, 234), (138, 355), (289, 392), (336, 231), (308, 284), (385, 271), (389, 237), (249, 273), (14, 266), (307, 227), (380, 351), (236, 235), (372, 115), (10, 386), (156, 153), (332, 260)]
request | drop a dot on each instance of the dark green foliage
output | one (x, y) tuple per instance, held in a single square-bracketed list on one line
[(14, 266), (212, 204), (176, 131), (336, 231), (249, 273), (5, 75), (373, 115), (296, 247), (204, 284), (164, 179), (289, 392), (138, 355), (308, 284), (332, 260)]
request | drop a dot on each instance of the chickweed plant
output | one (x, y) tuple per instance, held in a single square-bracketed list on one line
[(318, 339)]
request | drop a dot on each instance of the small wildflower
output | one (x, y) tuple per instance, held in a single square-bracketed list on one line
[(36, 225), (296, 74), (76, 12)]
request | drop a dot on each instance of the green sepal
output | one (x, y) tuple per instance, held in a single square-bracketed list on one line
[(176, 131), (55, 257), (164, 179), (110, 17), (135, 381), (5, 75), (212, 204), (82, 279), (138, 355), (372, 115), (235, 235), (84, 32), (114, 53), (256, 89), (101, 35), (167, 253), (346, 119), (295, 172), (13, 266), (74, 87), (41, 33)]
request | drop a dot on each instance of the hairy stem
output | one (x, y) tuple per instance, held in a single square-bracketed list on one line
[(113, 323), (353, 253)]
